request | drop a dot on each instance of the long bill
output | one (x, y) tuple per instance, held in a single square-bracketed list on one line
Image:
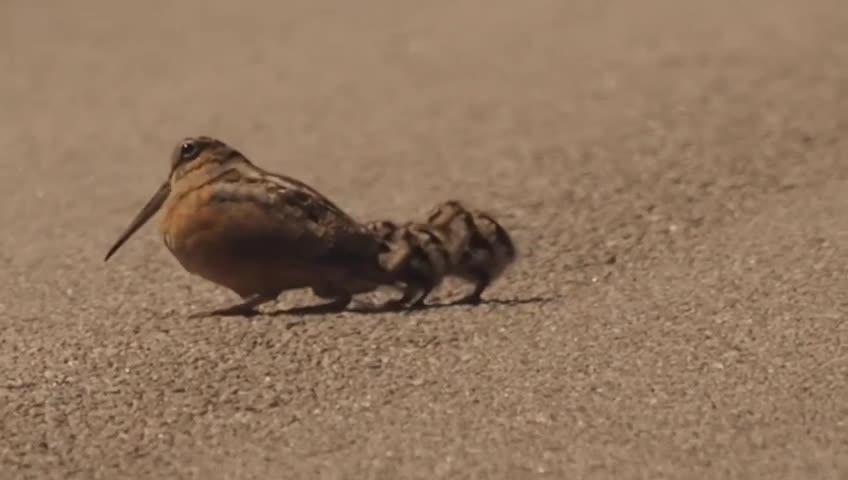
[(153, 205)]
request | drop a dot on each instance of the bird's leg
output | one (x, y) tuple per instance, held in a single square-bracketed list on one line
[(475, 297), (246, 309), (412, 299), (419, 302), (338, 304), (409, 293)]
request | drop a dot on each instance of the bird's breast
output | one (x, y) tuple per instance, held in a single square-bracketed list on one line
[(186, 218), (212, 239)]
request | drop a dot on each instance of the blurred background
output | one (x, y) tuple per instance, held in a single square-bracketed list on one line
[(673, 172)]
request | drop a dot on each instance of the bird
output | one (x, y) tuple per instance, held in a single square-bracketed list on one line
[(418, 254), (454, 240), (258, 233), (489, 248)]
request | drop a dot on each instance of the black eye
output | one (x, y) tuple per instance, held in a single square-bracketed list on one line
[(189, 151)]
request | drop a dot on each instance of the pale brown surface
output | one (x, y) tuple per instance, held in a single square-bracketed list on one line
[(702, 145)]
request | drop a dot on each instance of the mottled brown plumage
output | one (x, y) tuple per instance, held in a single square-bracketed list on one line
[(488, 249), (453, 241), (258, 233), (419, 256)]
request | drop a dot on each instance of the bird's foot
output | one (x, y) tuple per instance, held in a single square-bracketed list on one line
[(245, 309)]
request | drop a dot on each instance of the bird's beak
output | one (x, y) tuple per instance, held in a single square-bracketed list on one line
[(153, 205)]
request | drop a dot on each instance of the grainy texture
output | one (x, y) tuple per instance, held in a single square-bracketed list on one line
[(694, 152)]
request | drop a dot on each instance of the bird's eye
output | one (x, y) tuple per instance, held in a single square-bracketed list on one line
[(189, 151)]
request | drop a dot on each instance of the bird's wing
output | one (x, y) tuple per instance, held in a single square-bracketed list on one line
[(285, 217)]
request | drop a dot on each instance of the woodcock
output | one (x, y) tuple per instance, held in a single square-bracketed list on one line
[(258, 233)]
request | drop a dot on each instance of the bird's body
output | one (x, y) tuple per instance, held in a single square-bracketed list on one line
[(258, 233), (453, 241), (488, 248), (418, 254)]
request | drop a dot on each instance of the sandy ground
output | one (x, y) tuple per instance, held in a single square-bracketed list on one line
[(673, 171)]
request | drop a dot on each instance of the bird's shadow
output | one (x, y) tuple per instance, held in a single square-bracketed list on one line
[(372, 309), (459, 304)]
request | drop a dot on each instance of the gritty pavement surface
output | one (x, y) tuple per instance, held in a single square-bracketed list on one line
[(674, 173)]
